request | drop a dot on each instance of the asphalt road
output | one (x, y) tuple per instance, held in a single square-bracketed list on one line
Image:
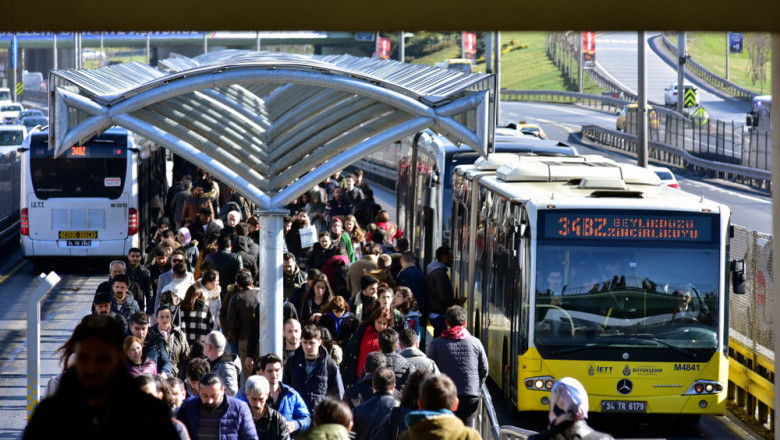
[(617, 53)]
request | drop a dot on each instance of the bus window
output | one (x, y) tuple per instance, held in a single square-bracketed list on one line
[(93, 170)]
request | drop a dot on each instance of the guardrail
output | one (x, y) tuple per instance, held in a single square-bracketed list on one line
[(40, 97), (751, 381), (487, 425), (707, 75)]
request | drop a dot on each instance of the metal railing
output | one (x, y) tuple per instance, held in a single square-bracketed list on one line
[(486, 422), (707, 75)]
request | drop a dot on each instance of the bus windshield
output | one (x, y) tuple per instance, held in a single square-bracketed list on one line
[(606, 297), (84, 171)]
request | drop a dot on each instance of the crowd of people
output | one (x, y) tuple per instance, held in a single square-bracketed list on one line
[(172, 343)]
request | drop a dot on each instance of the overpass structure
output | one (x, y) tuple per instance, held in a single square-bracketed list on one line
[(272, 125)]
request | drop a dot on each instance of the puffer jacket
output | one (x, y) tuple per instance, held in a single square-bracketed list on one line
[(293, 408), (369, 415), (228, 367), (417, 358), (236, 422), (324, 380), (400, 366), (463, 360)]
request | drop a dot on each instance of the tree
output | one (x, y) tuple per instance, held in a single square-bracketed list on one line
[(759, 54)]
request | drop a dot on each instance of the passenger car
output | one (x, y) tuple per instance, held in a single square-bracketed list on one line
[(622, 119), (33, 121), (10, 112), (670, 97), (5, 95), (534, 129), (11, 137), (666, 176)]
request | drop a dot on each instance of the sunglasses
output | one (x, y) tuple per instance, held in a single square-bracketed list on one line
[(178, 260)]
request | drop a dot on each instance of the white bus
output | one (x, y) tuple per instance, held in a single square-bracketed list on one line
[(91, 201)]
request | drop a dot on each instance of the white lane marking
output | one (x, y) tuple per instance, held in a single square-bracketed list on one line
[(726, 191)]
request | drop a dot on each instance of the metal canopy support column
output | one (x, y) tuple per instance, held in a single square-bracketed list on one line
[(271, 280), (34, 338), (641, 146), (776, 194)]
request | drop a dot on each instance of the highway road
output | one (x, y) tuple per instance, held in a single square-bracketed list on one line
[(750, 208), (617, 52)]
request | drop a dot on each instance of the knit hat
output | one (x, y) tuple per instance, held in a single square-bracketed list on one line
[(568, 401), (102, 297), (367, 280)]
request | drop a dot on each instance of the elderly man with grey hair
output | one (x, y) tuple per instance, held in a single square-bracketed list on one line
[(226, 365), (270, 424)]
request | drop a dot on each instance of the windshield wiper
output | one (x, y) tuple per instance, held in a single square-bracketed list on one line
[(653, 338)]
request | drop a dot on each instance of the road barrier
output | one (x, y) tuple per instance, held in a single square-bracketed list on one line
[(707, 75), (487, 424)]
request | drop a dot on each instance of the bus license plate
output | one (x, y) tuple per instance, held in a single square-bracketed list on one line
[(78, 235), (79, 243), (623, 406)]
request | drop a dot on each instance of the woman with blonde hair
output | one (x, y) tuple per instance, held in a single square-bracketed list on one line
[(196, 318)]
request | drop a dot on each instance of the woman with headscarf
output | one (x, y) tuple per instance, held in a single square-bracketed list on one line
[(569, 413), (191, 248)]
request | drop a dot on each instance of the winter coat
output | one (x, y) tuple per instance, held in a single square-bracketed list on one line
[(127, 308), (227, 264), (463, 359), (246, 249), (191, 207), (196, 323), (438, 288), (413, 278), (357, 270), (328, 431), (324, 380), (147, 366), (228, 368), (66, 415), (214, 302), (368, 415), (349, 324), (572, 430), (319, 256), (411, 320), (154, 349), (392, 424), (142, 278), (292, 282), (437, 425), (272, 426), (192, 254), (400, 366), (241, 313), (176, 345), (337, 270), (352, 355), (293, 408), (235, 424), (360, 309), (419, 360), (337, 208), (366, 211)]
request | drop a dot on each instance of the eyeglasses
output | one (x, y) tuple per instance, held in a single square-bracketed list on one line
[(178, 260)]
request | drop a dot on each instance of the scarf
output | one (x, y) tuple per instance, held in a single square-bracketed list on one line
[(457, 332), (350, 249), (187, 236), (338, 322)]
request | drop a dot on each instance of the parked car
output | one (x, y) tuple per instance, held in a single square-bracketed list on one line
[(622, 119), (666, 176), (9, 113), (670, 97), (31, 112), (11, 137)]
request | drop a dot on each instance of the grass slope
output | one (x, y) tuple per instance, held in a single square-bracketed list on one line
[(709, 50)]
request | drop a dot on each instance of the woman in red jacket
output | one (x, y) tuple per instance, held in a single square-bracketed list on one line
[(364, 341)]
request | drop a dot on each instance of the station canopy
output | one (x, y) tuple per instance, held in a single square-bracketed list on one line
[(272, 125)]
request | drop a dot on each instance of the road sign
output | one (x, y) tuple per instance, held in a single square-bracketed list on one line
[(690, 98), (364, 36), (735, 42), (700, 116), (19, 89)]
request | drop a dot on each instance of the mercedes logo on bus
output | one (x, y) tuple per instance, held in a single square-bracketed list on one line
[(624, 386)]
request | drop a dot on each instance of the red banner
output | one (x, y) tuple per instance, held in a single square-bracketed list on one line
[(383, 48), (589, 49), (469, 45)]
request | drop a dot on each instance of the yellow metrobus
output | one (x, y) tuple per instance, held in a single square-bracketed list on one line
[(583, 267)]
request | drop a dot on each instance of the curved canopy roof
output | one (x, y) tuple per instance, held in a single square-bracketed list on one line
[(272, 124)]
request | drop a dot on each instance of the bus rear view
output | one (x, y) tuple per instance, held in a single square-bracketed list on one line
[(83, 203)]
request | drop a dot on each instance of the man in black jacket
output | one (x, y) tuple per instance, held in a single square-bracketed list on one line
[(226, 263), (311, 371), (364, 389), (367, 209), (388, 345), (98, 398), (370, 414), (139, 274), (438, 290), (270, 424)]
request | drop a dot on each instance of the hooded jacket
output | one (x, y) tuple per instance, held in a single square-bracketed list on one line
[(328, 431), (248, 251), (437, 425), (323, 381)]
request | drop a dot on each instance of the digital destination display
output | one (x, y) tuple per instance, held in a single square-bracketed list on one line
[(93, 151), (627, 226)]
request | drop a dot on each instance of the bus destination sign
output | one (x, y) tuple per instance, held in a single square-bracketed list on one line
[(627, 226)]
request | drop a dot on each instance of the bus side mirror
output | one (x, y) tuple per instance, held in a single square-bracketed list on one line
[(738, 281)]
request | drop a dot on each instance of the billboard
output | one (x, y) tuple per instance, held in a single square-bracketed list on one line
[(469, 45), (383, 48), (588, 50), (735, 42)]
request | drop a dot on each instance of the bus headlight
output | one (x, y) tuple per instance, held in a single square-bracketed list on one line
[(544, 383), (701, 387)]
